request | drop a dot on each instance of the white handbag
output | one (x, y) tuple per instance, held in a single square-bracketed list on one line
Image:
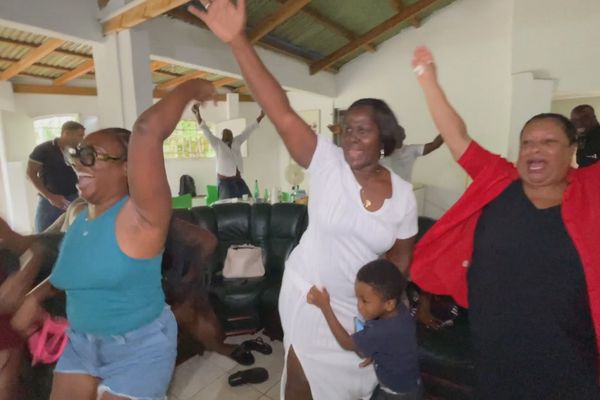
[(243, 261)]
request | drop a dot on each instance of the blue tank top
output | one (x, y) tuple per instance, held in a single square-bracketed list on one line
[(108, 292)]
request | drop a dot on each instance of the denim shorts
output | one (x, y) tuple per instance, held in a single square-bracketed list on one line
[(137, 364)]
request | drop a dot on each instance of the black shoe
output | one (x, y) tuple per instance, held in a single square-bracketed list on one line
[(257, 345), (252, 375), (242, 356)]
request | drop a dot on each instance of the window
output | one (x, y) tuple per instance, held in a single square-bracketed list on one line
[(187, 141), (48, 128)]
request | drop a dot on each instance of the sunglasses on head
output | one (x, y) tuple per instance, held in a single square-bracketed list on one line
[(87, 156)]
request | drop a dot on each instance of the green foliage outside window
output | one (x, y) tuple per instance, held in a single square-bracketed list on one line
[(188, 142)]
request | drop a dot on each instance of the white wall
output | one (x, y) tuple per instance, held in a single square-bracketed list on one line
[(559, 39), (471, 42)]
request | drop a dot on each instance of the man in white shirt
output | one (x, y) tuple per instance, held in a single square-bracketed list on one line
[(230, 164)]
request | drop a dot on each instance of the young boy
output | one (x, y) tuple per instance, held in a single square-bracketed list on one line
[(389, 335)]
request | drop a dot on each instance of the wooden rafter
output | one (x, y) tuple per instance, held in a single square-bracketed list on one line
[(225, 81), (156, 65), (285, 12), (31, 58), (82, 69), (39, 64), (136, 15), (34, 45), (179, 80), (405, 15), (43, 89), (332, 25), (399, 6)]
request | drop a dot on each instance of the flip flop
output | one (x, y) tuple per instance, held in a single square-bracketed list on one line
[(252, 375), (242, 356), (257, 345)]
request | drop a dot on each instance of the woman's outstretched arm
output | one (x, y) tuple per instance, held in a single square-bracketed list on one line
[(446, 119), (228, 21)]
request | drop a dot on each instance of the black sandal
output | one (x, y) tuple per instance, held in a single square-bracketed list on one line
[(252, 375), (242, 356), (257, 345)]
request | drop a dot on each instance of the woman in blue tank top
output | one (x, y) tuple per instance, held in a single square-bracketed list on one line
[(122, 336)]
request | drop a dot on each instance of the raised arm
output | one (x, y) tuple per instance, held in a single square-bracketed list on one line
[(433, 145), (446, 119), (228, 21), (148, 187), (212, 139)]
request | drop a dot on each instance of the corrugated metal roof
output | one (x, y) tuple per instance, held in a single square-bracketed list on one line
[(318, 30)]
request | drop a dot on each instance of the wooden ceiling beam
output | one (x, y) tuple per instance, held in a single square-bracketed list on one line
[(34, 45), (136, 15), (31, 58), (399, 6), (406, 14), (39, 64), (285, 12), (179, 80), (225, 81), (82, 69), (155, 65), (334, 26), (47, 89)]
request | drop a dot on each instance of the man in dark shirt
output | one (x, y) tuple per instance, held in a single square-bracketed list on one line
[(53, 178), (588, 131)]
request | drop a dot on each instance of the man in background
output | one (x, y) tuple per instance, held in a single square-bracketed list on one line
[(54, 180), (230, 164), (588, 133)]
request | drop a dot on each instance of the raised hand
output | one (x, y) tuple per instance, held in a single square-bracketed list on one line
[(423, 65), (196, 111), (224, 18), (202, 91)]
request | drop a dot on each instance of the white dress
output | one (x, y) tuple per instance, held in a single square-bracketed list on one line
[(341, 237)]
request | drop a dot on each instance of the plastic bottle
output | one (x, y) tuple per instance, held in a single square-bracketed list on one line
[(256, 190)]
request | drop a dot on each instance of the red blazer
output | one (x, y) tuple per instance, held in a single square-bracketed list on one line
[(442, 256)]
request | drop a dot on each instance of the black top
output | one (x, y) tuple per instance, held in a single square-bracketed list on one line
[(529, 311), (57, 175), (392, 344), (588, 150)]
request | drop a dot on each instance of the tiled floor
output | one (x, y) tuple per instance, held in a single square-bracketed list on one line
[(205, 378)]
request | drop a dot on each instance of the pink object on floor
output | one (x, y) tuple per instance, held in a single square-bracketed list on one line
[(47, 344)]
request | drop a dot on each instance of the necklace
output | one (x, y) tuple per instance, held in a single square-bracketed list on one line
[(366, 202)]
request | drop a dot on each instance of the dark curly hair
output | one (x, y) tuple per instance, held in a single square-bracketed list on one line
[(387, 124), (383, 276)]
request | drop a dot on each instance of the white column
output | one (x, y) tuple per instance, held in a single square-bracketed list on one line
[(530, 96), (7, 103), (123, 78), (232, 106)]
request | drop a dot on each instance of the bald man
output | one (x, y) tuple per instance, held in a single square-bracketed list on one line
[(588, 131)]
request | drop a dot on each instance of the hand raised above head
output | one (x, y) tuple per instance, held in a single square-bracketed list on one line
[(202, 91), (423, 65), (224, 18)]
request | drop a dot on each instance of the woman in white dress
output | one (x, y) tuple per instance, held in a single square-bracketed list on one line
[(358, 211)]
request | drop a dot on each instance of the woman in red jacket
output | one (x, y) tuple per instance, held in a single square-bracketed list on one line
[(518, 247)]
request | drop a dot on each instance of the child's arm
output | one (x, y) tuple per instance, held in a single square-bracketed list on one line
[(321, 299)]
